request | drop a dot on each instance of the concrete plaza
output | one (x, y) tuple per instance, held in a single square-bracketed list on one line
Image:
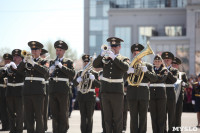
[(189, 120)]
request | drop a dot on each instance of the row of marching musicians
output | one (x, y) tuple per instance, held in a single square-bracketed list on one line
[(149, 86), (32, 73), (24, 82)]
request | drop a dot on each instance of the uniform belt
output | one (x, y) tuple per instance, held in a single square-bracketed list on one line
[(2, 85), (157, 85), (169, 85), (112, 80), (46, 82), (35, 78), (143, 84), (197, 95), (15, 84), (91, 90), (61, 79)]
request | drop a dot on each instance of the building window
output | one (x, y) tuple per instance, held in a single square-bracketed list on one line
[(125, 34), (173, 30), (92, 8), (145, 32), (92, 41)]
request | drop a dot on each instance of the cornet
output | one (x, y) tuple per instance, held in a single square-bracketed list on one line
[(27, 55), (106, 49)]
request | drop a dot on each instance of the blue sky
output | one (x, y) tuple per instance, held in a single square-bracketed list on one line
[(22, 21)]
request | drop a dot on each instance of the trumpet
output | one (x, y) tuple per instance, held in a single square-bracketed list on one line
[(107, 49), (27, 55)]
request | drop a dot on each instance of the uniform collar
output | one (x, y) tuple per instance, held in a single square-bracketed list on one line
[(61, 58)]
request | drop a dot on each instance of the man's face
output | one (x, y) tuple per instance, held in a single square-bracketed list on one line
[(7, 61), (17, 59), (135, 53), (157, 63), (85, 63), (116, 49), (168, 62), (60, 52), (36, 53), (198, 78), (43, 56), (175, 65)]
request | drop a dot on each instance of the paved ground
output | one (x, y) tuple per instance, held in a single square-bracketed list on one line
[(188, 120)]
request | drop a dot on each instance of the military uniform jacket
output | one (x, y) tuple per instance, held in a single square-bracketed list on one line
[(115, 69), (67, 72), (196, 91), (34, 87), (159, 92), (2, 83), (16, 78), (142, 92), (90, 95), (171, 79)]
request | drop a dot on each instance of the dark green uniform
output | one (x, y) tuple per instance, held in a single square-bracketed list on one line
[(125, 108), (138, 101), (14, 100), (87, 103), (46, 99), (112, 91), (171, 98), (179, 104), (34, 91), (59, 95), (3, 105), (158, 99)]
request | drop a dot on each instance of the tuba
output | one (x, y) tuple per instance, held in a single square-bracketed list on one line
[(106, 58), (135, 78), (86, 84)]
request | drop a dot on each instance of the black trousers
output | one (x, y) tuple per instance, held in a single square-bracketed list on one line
[(34, 110), (157, 108), (45, 115), (15, 111), (113, 111), (59, 106), (3, 109), (138, 113), (86, 111), (102, 115), (171, 108), (125, 112), (179, 109)]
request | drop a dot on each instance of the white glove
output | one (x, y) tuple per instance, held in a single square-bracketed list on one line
[(51, 69), (31, 61), (24, 60), (183, 83), (193, 102), (103, 52), (92, 77), (144, 68), (7, 65), (130, 70), (79, 79), (112, 55), (13, 65), (59, 64)]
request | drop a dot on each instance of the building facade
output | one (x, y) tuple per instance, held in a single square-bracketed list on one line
[(169, 25)]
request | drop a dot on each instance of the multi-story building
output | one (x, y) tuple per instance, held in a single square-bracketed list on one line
[(169, 25)]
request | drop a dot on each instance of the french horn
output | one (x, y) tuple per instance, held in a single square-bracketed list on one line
[(134, 79)]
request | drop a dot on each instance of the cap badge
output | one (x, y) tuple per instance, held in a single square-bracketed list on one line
[(113, 42), (59, 45), (33, 43), (60, 41)]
